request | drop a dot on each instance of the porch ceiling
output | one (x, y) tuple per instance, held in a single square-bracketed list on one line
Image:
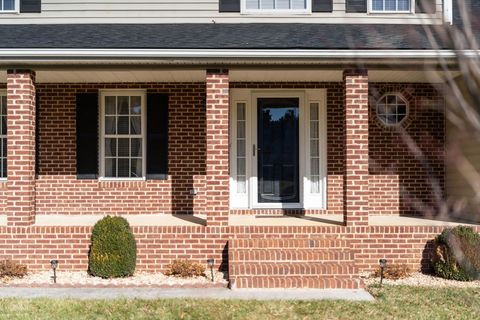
[(236, 75)]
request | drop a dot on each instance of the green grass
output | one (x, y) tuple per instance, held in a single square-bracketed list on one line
[(392, 303)]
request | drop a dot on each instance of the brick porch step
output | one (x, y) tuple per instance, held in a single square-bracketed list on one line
[(310, 282), (292, 263)]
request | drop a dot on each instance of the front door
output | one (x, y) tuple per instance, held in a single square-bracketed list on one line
[(278, 150)]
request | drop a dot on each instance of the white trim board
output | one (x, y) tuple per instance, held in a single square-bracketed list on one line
[(308, 200)]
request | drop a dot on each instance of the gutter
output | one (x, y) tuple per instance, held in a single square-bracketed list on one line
[(227, 53)]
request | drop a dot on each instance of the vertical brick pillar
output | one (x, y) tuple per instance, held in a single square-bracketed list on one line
[(21, 147), (356, 148), (217, 179)]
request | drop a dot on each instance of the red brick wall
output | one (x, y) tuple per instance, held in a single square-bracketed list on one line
[(411, 155), (158, 246), (58, 190)]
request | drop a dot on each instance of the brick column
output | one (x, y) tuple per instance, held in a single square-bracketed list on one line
[(355, 210), (217, 179), (21, 147)]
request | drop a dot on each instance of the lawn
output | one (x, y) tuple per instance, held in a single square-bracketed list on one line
[(392, 303)]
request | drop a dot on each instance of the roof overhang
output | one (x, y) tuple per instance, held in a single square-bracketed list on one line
[(225, 57)]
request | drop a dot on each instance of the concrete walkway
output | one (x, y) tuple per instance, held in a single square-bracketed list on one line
[(156, 293)]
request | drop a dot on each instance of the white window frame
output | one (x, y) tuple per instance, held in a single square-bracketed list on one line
[(370, 9), (122, 93), (249, 200), (16, 10), (244, 10), (3, 93), (407, 111)]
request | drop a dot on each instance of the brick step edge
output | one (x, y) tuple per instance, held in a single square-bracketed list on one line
[(290, 254), (316, 243), (298, 282), (292, 268)]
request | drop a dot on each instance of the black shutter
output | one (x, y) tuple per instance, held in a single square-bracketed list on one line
[(425, 6), (157, 136), (322, 5), (87, 135), (356, 6), (30, 6), (229, 6)]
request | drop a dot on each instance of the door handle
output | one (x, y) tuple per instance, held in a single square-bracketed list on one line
[(255, 149)]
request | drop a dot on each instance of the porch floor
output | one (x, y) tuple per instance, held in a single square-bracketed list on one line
[(238, 220)]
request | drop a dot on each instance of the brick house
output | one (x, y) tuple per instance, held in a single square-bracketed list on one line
[(295, 142)]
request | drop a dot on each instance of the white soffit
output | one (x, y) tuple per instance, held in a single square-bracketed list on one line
[(239, 75)]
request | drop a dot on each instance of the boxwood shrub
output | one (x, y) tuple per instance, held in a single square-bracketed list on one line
[(113, 251), (457, 254)]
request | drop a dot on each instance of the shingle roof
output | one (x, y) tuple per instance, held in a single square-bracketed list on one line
[(216, 36)]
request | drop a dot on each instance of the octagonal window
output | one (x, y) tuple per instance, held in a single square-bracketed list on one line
[(392, 109)]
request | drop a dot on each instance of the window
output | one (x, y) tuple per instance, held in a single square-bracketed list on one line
[(241, 148), (390, 5), (9, 6), (274, 6), (314, 148), (392, 109), (3, 136), (123, 134)]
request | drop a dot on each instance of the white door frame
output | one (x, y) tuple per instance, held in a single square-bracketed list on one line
[(249, 200)]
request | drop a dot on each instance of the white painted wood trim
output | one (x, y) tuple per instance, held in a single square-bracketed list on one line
[(101, 157), (250, 200)]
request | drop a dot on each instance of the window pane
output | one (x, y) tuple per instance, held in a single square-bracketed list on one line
[(377, 5), (135, 105), (123, 147), (136, 168), (314, 152), (110, 125), (267, 4), (299, 4), (283, 4), (240, 111), (136, 125), (4, 147), (314, 129), (241, 166), (390, 5), (241, 148), (122, 105), (241, 130), (314, 111), (123, 168), (110, 105), (404, 5), (315, 166), (110, 147), (9, 5), (4, 125), (315, 184), (241, 184), (402, 109), (123, 125), (110, 168), (4, 167), (253, 4), (136, 145), (4, 105)]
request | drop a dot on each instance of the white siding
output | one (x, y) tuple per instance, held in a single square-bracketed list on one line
[(191, 11)]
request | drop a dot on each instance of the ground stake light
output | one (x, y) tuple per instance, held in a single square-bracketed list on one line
[(210, 263), (54, 265), (383, 265)]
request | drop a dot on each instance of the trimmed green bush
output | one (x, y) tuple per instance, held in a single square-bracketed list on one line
[(113, 252), (457, 254)]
